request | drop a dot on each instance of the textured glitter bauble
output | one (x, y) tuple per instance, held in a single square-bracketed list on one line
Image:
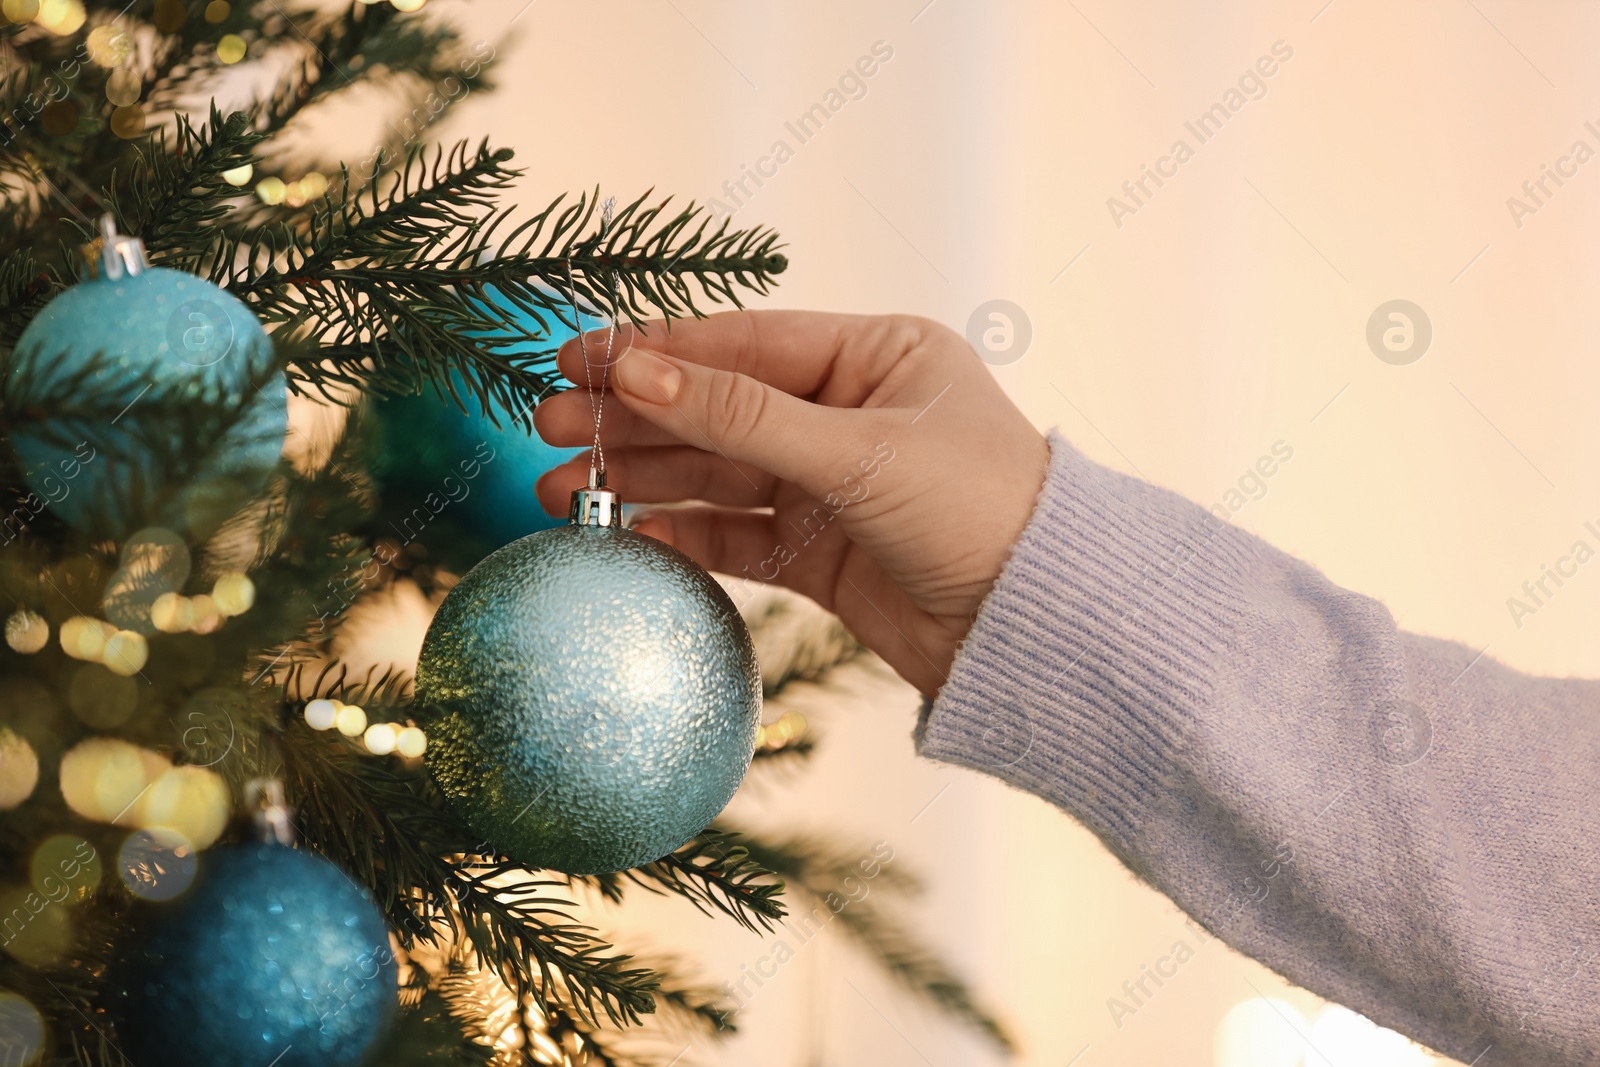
[(273, 956), (128, 341), (591, 699)]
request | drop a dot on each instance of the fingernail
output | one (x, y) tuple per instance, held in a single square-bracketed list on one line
[(648, 376)]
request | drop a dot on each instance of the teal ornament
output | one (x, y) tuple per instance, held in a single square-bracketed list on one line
[(158, 350), (591, 696), (274, 956), (459, 482)]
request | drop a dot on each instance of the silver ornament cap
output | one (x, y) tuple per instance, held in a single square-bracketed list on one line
[(594, 504), (114, 255)]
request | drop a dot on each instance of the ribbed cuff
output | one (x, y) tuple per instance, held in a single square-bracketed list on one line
[(1097, 650)]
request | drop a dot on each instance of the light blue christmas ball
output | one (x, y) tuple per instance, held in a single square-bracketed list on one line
[(591, 698), (274, 956), (156, 334), (425, 447)]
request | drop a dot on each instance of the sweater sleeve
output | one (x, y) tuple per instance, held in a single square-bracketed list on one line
[(1393, 822)]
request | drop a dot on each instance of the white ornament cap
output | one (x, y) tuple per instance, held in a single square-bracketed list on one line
[(114, 255)]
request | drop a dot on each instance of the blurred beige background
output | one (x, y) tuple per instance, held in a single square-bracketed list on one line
[(1226, 313)]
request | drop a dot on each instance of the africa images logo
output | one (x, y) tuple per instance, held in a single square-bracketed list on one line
[(200, 333)]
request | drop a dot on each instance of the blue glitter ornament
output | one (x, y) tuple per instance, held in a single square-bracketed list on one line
[(128, 334), (457, 480), (591, 695), (273, 957)]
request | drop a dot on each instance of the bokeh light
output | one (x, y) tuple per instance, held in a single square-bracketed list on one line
[(239, 176), (38, 930), (380, 738), (21, 1031), (154, 562), (271, 190), (109, 45), (20, 11), (62, 17), (102, 777), (192, 801), (218, 11), (65, 868), (19, 769), (157, 864), (1342, 1036), (411, 742), (314, 186), (85, 638), (126, 653), (124, 87), (1260, 1032), (231, 48), (352, 720), (171, 613), (206, 619), (27, 632), (234, 594), (128, 122), (322, 713)]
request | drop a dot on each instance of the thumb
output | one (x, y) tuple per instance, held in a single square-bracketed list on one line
[(741, 418)]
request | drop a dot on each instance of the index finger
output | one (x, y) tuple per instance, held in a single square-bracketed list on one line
[(795, 351)]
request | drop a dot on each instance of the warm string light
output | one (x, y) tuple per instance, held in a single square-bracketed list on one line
[(124, 652), (1271, 1032), (231, 594), (19, 769), (61, 17), (104, 779), (27, 632), (23, 1024), (789, 728), (379, 739), (231, 49), (274, 190), (109, 46)]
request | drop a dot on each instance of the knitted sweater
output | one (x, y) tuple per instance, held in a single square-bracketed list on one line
[(1391, 821)]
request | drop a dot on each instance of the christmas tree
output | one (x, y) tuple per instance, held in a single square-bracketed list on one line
[(179, 577)]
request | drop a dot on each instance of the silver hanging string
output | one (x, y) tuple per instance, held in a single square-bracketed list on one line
[(597, 398)]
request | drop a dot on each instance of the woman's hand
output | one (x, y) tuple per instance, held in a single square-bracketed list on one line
[(868, 462)]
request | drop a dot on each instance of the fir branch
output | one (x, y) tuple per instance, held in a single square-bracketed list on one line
[(334, 44), (715, 871), (393, 285), (390, 831), (821, 873), (798, 642), (25, 287), (436, 1031), (174, 196), (373, 42), (801, 748)]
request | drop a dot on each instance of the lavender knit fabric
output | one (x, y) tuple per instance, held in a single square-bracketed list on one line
[(1393, 822)]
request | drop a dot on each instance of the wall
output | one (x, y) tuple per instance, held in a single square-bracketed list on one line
[(1226, 311)]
